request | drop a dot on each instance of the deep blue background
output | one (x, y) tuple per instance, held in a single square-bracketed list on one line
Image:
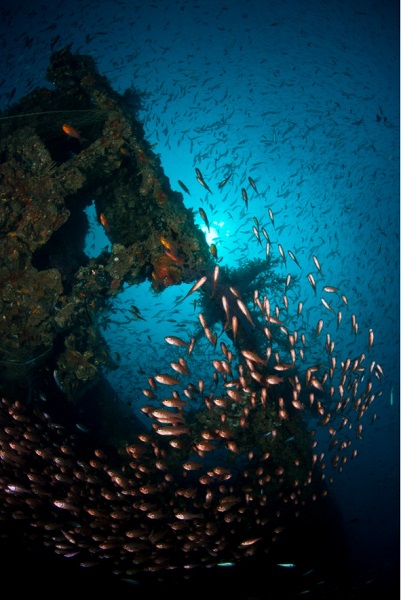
[(302, 96)]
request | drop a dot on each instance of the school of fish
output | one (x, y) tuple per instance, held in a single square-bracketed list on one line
[(207, 481)]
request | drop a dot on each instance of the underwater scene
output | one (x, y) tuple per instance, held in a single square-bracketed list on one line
[(199, 298)]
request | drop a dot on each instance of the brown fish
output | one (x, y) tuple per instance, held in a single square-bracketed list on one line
[(244, 196), (253, 184)]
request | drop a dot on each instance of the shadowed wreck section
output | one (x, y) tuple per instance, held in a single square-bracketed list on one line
[(50, 172)]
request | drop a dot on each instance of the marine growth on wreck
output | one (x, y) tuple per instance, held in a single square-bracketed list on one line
[(209, 469)]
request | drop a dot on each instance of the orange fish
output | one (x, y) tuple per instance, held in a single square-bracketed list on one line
[(176, 341), (166, 379), (213, 250), (193, 289), (104, 221), (72, 132)]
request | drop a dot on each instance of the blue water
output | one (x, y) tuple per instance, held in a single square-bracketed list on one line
[(304, 98)]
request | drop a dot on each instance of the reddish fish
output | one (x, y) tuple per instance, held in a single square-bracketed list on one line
[(73, 133), (176, 341), (193, 289), (166, 379), (104, 221)]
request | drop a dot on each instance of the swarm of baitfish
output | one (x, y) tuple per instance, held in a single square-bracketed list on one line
[(219, 472)]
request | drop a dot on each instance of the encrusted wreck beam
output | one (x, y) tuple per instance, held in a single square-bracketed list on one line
[(61, 149)]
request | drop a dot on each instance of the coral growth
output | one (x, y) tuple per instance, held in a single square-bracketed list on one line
[(60, 149)]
